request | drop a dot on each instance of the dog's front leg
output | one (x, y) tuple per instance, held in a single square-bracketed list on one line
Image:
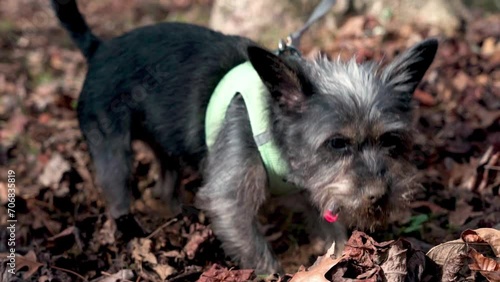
[(231, 201), (235, 187)]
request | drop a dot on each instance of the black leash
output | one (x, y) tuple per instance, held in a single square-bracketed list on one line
[(292, 42)]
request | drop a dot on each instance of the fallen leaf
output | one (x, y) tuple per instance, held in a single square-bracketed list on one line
[(367, 260), (460, 214), (163, 270), (424, 98), (43, 95), (489, 46), (486, 235), (173, 254), (353, 27), (107, 233), (219, 273), (460, 81), (10, 132), (395, 265), (488, 267), (44, 118), (44, 278), (452, 255), (54, 170), (30, 261), (141, 251), (4, 193), (196, 238), (447, 251), (316, 273), (120, 276), (451, 269)]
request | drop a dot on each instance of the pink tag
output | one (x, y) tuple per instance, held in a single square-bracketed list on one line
[(330, 217)]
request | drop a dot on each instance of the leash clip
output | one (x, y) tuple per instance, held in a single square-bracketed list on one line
[(289, 46), (285, 47)]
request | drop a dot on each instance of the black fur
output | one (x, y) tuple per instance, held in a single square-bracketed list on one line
[(72, 20), (343, 128)]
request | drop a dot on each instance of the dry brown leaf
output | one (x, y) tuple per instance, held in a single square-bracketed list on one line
[(489, 46), (173, 254), (198, 237), (44, 278), (106, 235), (361, 259), (395, 265), (424, 98), (367, 260), (443, 253), (452, 267), (365, 249), (316, 273), (452, 255), (13, 129), (141, 251), (353, 27), (3, 193), (460, 81), (461, 213), (488, 235), (120, 276), (54, 170), (488, 267), (29, 260), (163, 270), (219, 273)]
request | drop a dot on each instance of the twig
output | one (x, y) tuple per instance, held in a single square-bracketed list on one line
[(187, 276), (173, 220), (492, 167)]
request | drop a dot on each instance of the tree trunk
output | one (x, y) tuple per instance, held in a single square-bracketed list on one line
[(267, 21)]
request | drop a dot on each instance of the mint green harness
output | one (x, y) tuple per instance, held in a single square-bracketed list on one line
[(243, 79)]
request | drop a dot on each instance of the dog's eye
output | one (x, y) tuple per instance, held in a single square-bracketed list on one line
[(338, 143), (390, 140)]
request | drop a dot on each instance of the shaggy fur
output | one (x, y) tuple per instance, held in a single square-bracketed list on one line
[(343, 128)]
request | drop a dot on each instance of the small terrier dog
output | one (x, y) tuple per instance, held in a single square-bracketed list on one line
[(343, 129)]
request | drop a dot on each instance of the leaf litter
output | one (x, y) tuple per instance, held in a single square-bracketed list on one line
[(63, 232)]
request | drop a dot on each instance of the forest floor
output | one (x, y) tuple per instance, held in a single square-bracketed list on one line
[(63, 232)]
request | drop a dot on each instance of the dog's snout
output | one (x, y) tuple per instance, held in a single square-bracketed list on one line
[(376, 194), (370, 163)]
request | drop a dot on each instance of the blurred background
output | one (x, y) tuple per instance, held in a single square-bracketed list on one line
[(62, 220)]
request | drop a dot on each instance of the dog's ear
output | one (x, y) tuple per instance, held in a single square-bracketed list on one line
[(282, 80), (406, 71)]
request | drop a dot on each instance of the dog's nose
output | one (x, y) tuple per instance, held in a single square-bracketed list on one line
[(376, 195)]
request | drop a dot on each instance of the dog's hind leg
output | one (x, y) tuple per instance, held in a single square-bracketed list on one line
[(110, 148), (112, 162)]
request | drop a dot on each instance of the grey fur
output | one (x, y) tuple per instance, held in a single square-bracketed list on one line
[(343, 128)]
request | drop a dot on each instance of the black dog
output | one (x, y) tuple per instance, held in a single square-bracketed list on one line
[(342, 130)]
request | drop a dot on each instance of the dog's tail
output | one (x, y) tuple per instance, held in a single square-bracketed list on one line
[(71, 18)]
